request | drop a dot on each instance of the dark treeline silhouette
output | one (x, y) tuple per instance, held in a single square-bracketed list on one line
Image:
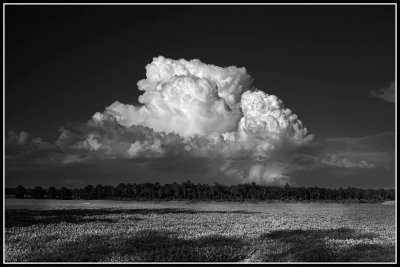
[(189, 191)]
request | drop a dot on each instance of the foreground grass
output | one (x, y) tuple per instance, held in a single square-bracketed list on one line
[(211, 232)]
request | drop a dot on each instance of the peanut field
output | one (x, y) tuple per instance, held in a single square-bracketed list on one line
[(126, 231)]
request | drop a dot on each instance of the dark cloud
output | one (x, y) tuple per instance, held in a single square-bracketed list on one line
[(333, 161), (373, 151), (387, 93)]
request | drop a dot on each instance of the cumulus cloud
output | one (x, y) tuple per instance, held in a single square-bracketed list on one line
[(18, 144), (110, 140), (335, 160), (381, 141), (386, 93), (185, 97), (211, 112), (190, 109), (373, 151)]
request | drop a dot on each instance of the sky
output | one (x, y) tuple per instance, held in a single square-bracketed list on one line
[(229, 94)]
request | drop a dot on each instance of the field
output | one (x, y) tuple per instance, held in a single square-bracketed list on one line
[(118, 231)]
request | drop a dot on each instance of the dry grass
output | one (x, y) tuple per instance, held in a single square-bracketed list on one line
[(110, 231)]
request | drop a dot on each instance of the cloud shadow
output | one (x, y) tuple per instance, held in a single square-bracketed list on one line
[(27, 217), (146, 246), (315, 246)]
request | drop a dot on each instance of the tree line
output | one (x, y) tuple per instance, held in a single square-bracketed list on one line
[(190, 191)]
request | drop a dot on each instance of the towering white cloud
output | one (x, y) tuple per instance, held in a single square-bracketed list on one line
[(186, 97), (214, 112), (193, 110)]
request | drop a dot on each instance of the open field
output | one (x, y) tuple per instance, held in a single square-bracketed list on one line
[(118, 231)]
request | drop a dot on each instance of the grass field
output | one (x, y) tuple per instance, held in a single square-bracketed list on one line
[(118, 231)]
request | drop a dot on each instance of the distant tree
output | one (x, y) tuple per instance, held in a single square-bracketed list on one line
[(76, 193), (38, 192), (10, 191), (350, 193), (135, 191), (110, 192), (175, 190), (167, 191), (382, 194), (391, 193), (65, 193), (51, 192), (99, 192), (158, 192), (121, 191), (148, 191), (20, 192), (88, 192), (287, 190), (189, 191), (215, 191), (128, 191)]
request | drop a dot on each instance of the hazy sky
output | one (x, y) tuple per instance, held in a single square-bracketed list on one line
[(332, 66)]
